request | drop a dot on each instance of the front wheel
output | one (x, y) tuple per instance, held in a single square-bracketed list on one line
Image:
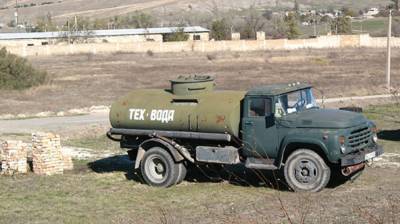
[(305, 170), (159, 169)]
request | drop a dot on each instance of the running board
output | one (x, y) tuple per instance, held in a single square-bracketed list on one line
[(260, 164)]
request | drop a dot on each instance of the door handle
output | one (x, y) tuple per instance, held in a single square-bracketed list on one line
[(249, 122)]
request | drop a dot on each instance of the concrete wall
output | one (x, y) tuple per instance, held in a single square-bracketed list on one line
[(112, 39), (200, 36), (205, 46)]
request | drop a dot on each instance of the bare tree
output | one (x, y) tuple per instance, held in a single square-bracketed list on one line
[(254, 22), (396, 4), (213, 8)]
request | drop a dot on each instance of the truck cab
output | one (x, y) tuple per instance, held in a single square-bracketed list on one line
[(284, 124), (274, 127)]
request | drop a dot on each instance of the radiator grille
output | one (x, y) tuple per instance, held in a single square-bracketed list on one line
[(360, 137)]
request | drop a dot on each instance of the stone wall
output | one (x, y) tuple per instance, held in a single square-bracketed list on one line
[(13, 158)]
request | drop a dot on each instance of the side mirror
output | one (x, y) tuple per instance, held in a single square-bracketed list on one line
[(269, 120)]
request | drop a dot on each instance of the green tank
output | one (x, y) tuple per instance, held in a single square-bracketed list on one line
[(191, 104)]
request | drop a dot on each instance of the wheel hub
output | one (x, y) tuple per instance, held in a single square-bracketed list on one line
[(159, 168), (306, 171), (156, 169)]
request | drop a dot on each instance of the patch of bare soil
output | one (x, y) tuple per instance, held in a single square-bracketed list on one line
[(86, 80)]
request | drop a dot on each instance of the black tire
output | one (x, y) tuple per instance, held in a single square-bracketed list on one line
[(182, 172), (305, 170), (158, 168)]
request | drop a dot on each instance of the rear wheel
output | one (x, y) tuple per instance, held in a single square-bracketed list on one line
[(159, 169), (305, 170), (182, 172)]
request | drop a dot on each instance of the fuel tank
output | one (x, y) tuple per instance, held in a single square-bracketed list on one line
[(191, 104)]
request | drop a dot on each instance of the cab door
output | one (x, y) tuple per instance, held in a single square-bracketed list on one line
[(260, 135)]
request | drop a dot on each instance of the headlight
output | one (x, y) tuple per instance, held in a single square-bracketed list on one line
[(374, 134), (375, 138), (342, 148), (342, 141)]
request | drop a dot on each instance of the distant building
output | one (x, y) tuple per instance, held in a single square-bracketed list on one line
[(371, 13), (109, 36), (331, 15)]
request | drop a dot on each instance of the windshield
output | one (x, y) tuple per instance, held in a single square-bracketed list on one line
[(294, 102)]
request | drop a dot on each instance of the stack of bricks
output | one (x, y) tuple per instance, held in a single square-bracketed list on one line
[(13, 158), (47, 158)]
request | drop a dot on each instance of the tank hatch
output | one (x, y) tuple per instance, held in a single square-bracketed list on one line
[(191, 85)]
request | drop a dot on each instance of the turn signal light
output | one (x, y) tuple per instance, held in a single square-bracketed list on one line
[(342, 140)]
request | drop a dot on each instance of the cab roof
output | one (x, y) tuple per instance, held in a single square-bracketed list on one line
[(277, 89)]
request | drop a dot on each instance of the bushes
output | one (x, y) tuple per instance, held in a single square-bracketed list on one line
[(341, 25), (18, 73), (179, 35), (220, 30)]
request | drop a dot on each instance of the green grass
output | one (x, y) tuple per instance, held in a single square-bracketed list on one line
[(104, 198), (387, 119), (99, 143), (337, 4), (26, 137), (34, 116), (375, 26), (308, 31), (385, 116)]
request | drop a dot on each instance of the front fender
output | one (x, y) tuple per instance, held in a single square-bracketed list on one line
[(303, 141)]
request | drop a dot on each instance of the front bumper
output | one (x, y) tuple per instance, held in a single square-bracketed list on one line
[(361, 156)]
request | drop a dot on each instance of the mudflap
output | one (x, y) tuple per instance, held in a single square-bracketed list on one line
[(132, 154)]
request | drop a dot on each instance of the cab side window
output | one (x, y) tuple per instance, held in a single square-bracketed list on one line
[(260, 107)]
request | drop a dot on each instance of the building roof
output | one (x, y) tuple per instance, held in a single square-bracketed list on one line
[(101, 33), (277, 89)]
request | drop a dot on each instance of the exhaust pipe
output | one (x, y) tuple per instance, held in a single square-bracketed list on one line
[(347, 171)]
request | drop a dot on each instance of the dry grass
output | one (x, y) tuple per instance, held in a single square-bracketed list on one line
[(107, 191), (80, 80), (110, 195)]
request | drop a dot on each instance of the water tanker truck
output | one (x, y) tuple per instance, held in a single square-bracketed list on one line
[(273, 127)]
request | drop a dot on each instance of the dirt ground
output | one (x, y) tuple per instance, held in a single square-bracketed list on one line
[(87, 80)]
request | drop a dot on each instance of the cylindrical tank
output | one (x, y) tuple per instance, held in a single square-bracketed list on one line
[(190, 105)]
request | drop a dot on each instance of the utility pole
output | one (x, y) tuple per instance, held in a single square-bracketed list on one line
[(389, 51), (76, 24), (69, 32), (16, 13), (315, 26)]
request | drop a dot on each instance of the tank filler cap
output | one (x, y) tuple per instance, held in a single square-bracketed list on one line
[(191, 85), (195, 78)]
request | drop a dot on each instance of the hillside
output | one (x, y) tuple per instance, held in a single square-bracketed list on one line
[(61, 10)]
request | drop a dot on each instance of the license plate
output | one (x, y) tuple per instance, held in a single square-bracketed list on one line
[(370, 155)]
